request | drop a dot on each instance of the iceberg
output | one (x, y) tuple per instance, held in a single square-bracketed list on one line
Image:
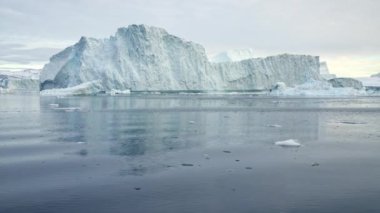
[(372, 84), (372, 81), (16, 82), (143, 58), (88, 88), (288, 143), (324, 71), (314, 88), (346, 82), (232, 56)]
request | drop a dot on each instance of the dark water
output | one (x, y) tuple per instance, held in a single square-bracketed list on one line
[(188, 153)]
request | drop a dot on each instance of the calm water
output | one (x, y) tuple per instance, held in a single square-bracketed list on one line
[(188, 153)]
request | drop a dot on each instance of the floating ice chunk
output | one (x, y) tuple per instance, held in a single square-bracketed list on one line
[(114, 92), (54, 105), (191, 122), (68, 109), (274, 125), (288, 143), (81, 142)]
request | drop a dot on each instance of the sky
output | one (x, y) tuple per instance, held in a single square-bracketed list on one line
[(345, 33)]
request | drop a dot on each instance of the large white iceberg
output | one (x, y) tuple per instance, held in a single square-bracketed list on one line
[(142, 58)]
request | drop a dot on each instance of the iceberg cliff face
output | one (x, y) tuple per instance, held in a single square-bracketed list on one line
[(324, 71), (232, 55), (142, 58), (263, 73)]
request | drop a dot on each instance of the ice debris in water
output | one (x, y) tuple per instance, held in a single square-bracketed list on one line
[(191, 122), (274, 125), (81, 142), (54, 105), (288, 143), (68, 109)]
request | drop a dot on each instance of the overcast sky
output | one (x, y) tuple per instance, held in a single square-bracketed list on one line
[(345, 33)]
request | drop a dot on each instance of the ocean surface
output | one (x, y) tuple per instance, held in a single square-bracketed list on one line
[(188, 153)]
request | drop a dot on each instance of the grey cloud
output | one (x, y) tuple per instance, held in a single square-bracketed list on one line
[(321, 27), (19, 54)]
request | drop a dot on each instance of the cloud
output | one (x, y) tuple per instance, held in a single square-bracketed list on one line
[(319, 27)]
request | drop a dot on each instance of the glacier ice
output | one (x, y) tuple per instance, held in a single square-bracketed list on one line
[(143, 58), (87, 88), (314, 88), (370, 81), (346, 82), (288, 143), (324, 71), (26, 81), (232, 55)]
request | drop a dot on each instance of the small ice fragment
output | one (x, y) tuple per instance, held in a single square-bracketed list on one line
[(187, 164), (288, 143), (226, 151), (81, 142), (191, 122), (274, 125), (54, 105), (68, 109), (315, 164), (248, 167)]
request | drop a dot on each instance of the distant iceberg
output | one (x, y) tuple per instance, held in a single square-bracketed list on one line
[(16, 82), (315, 88)]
